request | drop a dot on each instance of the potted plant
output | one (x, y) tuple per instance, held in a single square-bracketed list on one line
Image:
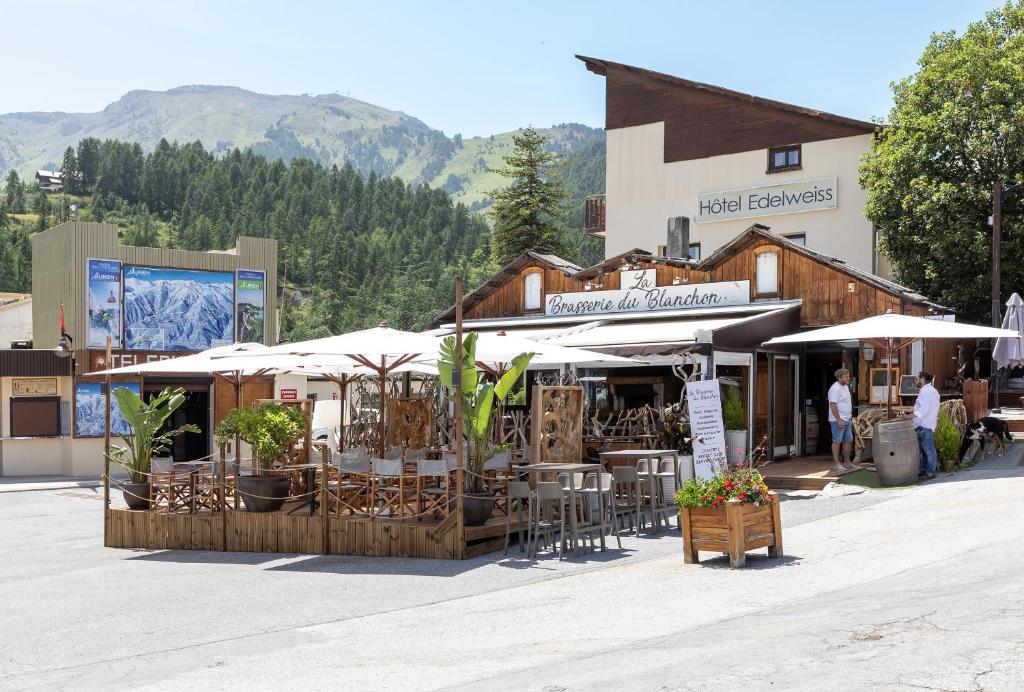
[(947, 441), (731, 513), (268, 428), (458, 373), (146, 439), (735, 426)]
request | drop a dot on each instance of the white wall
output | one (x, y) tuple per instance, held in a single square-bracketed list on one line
[(15, 322), (643, 192)]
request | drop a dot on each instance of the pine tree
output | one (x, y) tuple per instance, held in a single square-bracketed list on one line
[(69, 172), (14, 193), (529, 212)]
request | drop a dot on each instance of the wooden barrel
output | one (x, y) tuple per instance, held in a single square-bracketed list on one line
[(811, 428), (895, 452)]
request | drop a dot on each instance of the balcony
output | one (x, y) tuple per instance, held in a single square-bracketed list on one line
[(593, 212)]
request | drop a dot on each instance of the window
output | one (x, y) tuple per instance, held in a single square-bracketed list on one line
[(663, 251), (694, 252), (767, 273), (798, 238), (35, 416), (532, 291), (784, 159)]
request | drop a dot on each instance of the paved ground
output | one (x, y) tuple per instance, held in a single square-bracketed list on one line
[(904, 589)]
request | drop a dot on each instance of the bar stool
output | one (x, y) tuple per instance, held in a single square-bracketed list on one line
[(596, 485), (519, 495), (550, 500), (666, 482), (626, 496)]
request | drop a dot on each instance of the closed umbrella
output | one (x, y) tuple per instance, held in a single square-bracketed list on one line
[(1009, 350)]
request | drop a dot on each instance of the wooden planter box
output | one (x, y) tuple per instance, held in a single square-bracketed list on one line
[(733, 529)]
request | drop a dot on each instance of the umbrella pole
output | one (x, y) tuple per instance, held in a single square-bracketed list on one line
[(459, 481), (888, 374), (383, 373)]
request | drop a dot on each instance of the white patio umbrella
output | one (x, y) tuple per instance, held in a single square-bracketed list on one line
[(893, 332), (495, 351), (381, 350), (1009, 350)]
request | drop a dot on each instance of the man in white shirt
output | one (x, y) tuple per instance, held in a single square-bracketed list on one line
[(840, 416), (926, 416)]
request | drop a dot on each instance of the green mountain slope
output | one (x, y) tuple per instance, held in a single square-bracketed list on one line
[(329, 129)]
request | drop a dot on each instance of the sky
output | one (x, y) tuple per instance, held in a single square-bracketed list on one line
[(472, 68)]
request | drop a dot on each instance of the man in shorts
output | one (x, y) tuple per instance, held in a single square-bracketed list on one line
[(840, 416)]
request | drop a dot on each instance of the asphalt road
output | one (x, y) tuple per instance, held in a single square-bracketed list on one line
[(900, 589)]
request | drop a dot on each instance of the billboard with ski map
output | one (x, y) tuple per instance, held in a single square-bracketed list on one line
[(177, 309)]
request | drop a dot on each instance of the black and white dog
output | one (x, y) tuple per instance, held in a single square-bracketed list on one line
[(985, 429)]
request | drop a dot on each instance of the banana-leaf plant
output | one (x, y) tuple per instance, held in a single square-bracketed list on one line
[(478, 398), (147, 436)]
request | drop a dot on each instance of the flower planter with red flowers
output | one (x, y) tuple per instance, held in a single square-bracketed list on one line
[(731, 513)]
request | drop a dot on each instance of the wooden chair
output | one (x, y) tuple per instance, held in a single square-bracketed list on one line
[(497, 473), (436, 496), (169, 486), (388, 489), (352, 491)]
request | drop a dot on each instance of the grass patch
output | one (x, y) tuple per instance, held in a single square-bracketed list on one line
[(867, 479)]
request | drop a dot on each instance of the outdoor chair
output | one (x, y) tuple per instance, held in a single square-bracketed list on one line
[(393, 452), (547, 517), (520, 497), (644, 469), (170, 486), (206, 492), (388, 490), (497, 473), (433, 488), (353, 483), (667, 483), (593, 505), (414, 454), (626, 496)]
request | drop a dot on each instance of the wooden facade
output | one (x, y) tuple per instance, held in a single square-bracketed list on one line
[(693, 113), (831, 292), (59, 273)]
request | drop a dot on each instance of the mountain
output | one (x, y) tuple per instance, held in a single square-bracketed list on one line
[(328, 128)]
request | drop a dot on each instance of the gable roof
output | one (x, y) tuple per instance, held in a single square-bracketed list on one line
[(539, 255), (703, 120), (756, 231)]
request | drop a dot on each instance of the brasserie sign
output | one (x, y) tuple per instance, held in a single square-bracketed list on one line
[(640, 293), (785, 198)]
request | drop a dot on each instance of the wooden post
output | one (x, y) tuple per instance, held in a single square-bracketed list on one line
[(224, 498), (325, 516), (106, 430), (734, 517), (689, 552), (460, 527), (775, 550), (382, 381)]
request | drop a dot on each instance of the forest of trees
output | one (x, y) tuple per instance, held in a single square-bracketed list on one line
[(352, 250)]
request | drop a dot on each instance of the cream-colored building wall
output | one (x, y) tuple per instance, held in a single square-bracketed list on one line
[(16, 321), (643, 192)]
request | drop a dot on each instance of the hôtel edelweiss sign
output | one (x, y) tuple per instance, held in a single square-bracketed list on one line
[(785, 198), (640, 293)]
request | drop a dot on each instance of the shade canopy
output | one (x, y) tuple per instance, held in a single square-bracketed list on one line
[(380, 342), (893, 326), (202, 363), (1009, 350), (496, 348)]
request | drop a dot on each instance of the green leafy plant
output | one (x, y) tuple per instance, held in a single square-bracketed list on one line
[(478, 398), (147, 437), (947, 437), (744, 484), (268, 428), (732, 410)]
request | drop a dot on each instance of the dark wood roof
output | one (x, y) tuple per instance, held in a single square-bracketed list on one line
[(33, 362), (703, 120), (536, 256)]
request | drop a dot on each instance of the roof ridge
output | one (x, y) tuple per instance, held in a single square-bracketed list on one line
[(599, 66)]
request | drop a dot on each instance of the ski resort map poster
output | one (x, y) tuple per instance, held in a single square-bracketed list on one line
[(103, 291), (90, 409), (250, 295), (177, 309)]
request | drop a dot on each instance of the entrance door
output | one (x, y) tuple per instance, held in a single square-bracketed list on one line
[(784, 404), (195, 410)]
